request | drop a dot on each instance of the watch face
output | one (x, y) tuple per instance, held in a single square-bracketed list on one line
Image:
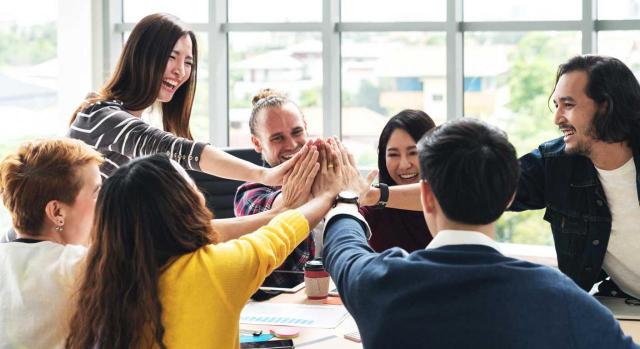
[(348, 196)]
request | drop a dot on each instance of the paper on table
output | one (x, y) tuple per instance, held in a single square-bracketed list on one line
[(299, 315), (622, 309)]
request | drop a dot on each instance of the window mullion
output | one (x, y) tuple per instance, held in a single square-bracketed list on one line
[(331, 84), (455, 96), (218, 74)]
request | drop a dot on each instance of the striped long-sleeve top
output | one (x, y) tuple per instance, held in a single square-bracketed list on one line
[(121, 136)]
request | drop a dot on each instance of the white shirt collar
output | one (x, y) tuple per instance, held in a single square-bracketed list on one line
[(462, 237)]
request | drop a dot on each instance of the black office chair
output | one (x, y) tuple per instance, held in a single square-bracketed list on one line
[(219, 192)]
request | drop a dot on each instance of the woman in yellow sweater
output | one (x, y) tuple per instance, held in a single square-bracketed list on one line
[(156, 276)]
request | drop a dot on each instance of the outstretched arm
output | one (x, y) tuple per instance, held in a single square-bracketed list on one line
[(219, 163), (297, 183), (403, 197)]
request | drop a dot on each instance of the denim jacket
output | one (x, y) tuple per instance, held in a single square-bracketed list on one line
[(576, 207)]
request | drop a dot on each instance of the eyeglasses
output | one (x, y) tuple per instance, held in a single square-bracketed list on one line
[(632, 301)]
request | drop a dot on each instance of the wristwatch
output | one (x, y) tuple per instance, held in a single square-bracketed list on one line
[(347, 197), (384, 195)]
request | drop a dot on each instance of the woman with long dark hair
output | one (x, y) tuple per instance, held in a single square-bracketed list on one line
[(159, 63), (398, 164), (156, 274)]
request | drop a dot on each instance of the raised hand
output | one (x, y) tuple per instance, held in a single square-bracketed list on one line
[(296, 186), (328, 180), (351, 179)]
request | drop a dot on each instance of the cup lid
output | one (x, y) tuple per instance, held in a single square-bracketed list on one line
[(315, 264)]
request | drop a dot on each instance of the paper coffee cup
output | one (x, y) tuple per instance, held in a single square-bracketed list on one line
[(316, 280)]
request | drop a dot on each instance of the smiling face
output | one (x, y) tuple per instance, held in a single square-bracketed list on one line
[(575, 112), (280, 133), (178, 69), (402, 158)]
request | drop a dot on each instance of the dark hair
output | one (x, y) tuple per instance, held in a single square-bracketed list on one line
[(137, 77), (472, 170), (146, 213), (415, 122), (611, 84), (267, 98)]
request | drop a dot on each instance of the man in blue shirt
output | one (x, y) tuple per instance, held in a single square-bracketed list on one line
[(460, 292), (587, 180)]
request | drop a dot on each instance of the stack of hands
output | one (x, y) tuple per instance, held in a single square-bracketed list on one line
[(324, 168)]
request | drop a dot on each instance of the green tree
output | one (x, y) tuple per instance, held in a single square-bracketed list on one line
[(530, 82), (28, 45), (310, 97)]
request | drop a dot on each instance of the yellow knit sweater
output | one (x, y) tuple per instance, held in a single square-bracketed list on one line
[(202, 293)]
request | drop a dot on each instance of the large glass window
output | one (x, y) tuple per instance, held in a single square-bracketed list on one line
[(260, 11), (624, 45), (387, 62), (522, 10), (29, 73), (399, 11), (618, 9), (190, 11), (384, 73), (508, 78), (287, 62)]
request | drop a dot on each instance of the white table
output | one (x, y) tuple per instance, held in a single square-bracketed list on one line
[(319, 338)]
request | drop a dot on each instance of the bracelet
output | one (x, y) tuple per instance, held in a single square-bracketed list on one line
[(384, 195)]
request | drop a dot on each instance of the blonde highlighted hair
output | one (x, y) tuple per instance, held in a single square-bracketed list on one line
[(264, 99), (41, 171)]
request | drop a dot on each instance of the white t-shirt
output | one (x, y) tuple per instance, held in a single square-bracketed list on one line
[(36, 284), (622, 259)]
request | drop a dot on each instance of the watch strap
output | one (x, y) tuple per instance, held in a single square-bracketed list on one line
[(346, 200), (384, 195)]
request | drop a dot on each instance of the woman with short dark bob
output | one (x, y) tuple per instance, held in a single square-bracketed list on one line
[(156, 274), (158, 64), (398, 164)]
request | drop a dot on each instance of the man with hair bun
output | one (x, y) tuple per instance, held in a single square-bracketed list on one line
[(278, 132)]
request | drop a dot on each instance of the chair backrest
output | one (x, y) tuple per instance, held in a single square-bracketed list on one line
[(219, 192)]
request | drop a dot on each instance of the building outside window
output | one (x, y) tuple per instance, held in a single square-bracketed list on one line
[(349, 64)]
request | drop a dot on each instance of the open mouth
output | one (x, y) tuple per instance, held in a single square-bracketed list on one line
[(170, 85), (287, 156), (567, 130), (408, 176)]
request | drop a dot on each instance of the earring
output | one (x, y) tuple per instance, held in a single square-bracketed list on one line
[(59, 227)]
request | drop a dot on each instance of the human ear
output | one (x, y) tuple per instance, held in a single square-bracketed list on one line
[(257, 145)]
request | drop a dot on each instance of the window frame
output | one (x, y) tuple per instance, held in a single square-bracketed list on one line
[(330, 28)]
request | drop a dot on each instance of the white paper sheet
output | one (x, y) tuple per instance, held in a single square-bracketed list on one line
[(298, 315)]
